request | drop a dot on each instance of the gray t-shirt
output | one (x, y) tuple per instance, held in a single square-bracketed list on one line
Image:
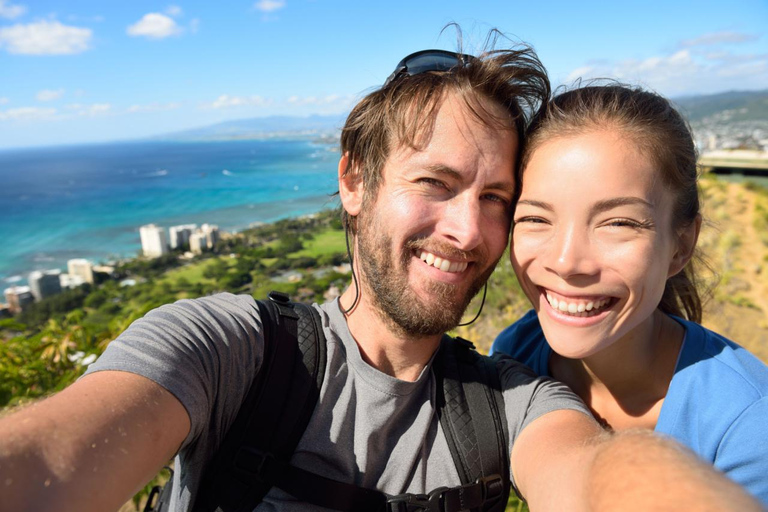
[(368, 428)]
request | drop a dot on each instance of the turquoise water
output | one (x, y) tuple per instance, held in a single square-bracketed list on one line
[(89, 201)]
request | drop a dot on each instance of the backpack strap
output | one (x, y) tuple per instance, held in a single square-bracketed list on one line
[(275, 412), (470, 407)]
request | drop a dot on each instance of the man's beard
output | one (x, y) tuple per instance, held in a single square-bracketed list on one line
[(393, 298)]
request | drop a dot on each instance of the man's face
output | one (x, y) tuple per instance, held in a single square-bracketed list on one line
[(432, 233)]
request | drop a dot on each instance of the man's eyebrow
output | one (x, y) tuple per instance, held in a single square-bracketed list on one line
[(506, 186)]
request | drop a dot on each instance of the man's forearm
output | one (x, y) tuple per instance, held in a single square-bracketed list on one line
[(91, 447), (641, 470)]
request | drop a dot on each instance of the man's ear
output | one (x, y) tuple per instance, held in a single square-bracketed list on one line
[(351, 186), (686, 244)]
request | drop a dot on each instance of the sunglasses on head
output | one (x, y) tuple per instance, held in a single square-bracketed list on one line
[(428, 60)]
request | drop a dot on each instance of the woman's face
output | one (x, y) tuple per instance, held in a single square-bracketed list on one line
[(593, 243)]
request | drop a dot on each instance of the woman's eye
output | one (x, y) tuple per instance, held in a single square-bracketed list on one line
[(530, 220), (625, 223)]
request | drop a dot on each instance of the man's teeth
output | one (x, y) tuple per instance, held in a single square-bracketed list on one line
[(580, 308), (443, 264)]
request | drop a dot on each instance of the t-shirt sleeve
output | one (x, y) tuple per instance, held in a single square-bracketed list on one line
[(528, 396), (743, 451), (206, 352)]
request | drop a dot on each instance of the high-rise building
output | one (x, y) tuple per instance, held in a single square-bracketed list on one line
[(45, 283), (198, 242), (179, 235), (18, 297), (81, 268), (153, 241), (211, 233)]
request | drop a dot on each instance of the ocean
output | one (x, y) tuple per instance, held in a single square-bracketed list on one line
[(89, 201)]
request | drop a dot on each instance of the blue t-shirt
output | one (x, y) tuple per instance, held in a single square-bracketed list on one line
[(717, 402)]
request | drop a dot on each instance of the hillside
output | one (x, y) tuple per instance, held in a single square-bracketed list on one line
[(741, 105)]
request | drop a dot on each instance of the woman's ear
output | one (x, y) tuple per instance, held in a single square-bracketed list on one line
[(350, 186), (686, 240)]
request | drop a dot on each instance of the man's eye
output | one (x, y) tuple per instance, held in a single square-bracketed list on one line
[(497, 198), (432, 182)]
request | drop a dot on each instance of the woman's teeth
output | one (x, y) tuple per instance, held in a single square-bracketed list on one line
[(578, 308), (443, 264)]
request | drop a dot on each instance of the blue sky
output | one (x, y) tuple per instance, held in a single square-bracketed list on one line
[(88, 71)]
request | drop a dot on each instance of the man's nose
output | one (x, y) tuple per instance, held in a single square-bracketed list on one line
[(462, 222)]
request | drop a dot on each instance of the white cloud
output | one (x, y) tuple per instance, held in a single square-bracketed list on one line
[(153, 107), (91, 110), (27, 114), (227, 101), (4, 101), (684, 72), (174, 10), (331, 99), (269, 5), (194, 25), (154, 26), (49, 94), (45, 38), (10, 11), (718, 38)]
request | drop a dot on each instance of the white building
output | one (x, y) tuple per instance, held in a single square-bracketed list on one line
[(18, 297), (44, 283), (179, 235), (211, 233), (198, 242), (153, 241), (81, 268)]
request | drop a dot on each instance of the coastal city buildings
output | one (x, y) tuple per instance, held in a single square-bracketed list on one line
[(78, 268), (197, 242), (153, 241), (179, 235), (44, 283), (204, 239), (211, 233), (18, 297)]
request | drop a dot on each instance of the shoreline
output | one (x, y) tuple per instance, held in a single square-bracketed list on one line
[(302, 207)]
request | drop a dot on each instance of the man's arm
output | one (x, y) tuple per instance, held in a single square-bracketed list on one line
[(91, 446), (564, 461)]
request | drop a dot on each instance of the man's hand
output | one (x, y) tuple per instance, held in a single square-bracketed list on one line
[(565, 461), (90, 447)]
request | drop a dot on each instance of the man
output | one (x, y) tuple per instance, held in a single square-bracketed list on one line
[(426, 184)]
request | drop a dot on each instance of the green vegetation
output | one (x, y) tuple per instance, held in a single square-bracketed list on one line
[(49, 345)]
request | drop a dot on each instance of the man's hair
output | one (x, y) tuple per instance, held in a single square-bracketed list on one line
[(402, 114)]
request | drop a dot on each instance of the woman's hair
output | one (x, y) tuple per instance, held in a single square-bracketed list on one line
[(659, 132)]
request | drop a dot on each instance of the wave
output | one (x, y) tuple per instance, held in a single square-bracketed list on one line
[(227, 173), (161, 172)]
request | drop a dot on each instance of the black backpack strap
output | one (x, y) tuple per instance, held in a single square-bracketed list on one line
[(275, 412), (471, 411)]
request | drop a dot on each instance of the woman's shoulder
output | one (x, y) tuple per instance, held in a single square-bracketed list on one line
[(524, 341), (722, 361)]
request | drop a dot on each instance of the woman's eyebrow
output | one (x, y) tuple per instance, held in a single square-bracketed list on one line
[(615, 202), (537, 204)]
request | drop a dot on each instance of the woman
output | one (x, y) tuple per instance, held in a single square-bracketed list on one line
[(605, 228)]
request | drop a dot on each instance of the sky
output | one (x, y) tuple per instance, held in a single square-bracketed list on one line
[(87, 71)]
